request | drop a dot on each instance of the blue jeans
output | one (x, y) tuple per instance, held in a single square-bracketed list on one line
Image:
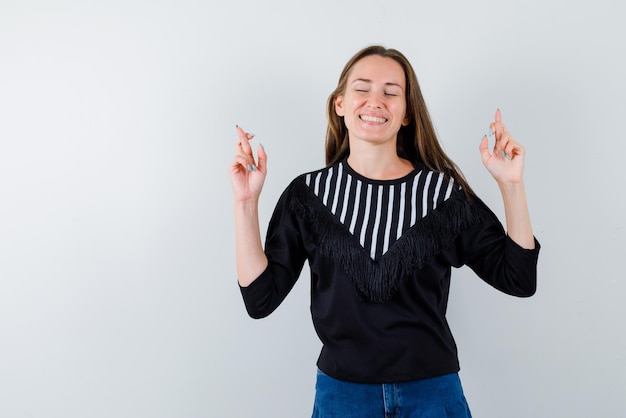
[(438, 397)]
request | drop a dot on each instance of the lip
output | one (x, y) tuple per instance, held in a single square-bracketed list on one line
[(375, 119)]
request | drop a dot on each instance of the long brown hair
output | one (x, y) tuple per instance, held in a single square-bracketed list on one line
[(416, 141)]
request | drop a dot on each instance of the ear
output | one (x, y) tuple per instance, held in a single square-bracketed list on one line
[(339, 106), (406, 120)]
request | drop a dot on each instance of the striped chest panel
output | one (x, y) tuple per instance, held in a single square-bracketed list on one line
[(378, 213)]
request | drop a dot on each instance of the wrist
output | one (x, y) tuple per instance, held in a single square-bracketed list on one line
[(511, 186), (249, 206)]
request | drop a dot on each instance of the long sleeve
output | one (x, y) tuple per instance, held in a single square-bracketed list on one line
[(494, 257), (286, 256), (380, 315)]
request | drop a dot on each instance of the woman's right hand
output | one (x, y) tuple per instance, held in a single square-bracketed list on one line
[(246, 175)]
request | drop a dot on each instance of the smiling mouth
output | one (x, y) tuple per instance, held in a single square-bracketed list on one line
[(373, 119)]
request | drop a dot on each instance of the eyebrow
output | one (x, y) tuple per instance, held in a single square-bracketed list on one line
[(369, 81)]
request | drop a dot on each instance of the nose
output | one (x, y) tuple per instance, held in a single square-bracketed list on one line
[(375, 100)]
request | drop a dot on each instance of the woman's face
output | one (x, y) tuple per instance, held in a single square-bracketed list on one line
[(373, 104)]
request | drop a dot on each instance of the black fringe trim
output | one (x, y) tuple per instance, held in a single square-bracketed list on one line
[(378, 280)]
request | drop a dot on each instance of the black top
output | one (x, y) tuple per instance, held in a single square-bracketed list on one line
[(380, 254)]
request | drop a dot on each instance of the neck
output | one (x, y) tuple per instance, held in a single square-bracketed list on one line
[(378, 163)]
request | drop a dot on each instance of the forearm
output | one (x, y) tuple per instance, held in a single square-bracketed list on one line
[(518, 223), (250, 257)]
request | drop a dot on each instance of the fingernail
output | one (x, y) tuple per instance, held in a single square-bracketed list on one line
[(261, 145), (505, 155), (490, 132), (249, 167), (251, 134), (236, 126), (254, 168)]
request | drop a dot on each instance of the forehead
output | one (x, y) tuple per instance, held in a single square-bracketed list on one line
[(377, 68)]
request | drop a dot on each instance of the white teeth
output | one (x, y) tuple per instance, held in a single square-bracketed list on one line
[(373, 119)]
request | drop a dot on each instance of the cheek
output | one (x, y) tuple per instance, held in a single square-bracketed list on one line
[(355, 102), (400, 111)]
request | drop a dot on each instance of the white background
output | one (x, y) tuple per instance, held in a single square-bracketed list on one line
[(118, 294)]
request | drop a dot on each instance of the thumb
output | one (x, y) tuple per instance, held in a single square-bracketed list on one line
[(484, 149), (262, 159)]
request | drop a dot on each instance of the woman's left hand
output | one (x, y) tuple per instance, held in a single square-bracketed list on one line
[(506, 163)]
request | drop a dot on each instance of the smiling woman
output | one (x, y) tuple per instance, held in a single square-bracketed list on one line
[(373, 105), (381, 227)]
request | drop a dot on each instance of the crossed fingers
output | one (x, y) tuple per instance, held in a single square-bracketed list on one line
[(505, 144), (243, 150)]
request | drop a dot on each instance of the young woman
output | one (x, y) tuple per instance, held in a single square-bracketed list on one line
[(381, 227)]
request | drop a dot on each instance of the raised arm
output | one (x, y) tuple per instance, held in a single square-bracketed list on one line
[(506, 165), (247, 178)]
